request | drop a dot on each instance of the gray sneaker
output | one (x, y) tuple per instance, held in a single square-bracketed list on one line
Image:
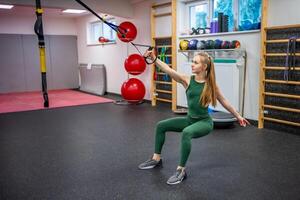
[(149, 164), (178, 177)]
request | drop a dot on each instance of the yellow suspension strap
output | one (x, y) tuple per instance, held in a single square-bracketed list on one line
[(38, 29)]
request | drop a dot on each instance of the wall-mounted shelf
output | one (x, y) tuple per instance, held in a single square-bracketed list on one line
[(218, 34)]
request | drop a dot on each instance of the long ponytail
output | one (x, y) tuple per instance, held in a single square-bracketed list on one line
[(209, 95)]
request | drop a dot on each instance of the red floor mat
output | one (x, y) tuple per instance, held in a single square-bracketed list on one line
[(24, 101)]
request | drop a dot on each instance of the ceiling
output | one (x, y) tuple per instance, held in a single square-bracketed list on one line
[(122, 8)]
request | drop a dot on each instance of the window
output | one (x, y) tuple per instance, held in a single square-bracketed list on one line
[(249, 14), (225, 7), (199, 15), (242, 14), (98, 29)]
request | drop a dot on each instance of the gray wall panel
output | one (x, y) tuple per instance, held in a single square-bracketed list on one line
[(20, 63), (31, 63), (12, 76), (63, 50)]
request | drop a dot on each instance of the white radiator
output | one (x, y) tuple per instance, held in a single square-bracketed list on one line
[(229, 78), (92, 78)]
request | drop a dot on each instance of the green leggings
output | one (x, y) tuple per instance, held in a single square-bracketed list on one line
[(190, 128)]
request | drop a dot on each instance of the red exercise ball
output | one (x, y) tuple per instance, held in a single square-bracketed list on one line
[(133, 90), (127, 31), (135, 64)]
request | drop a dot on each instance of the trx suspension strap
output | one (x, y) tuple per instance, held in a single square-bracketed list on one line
[(119, 30), (290, 60), (38, 29), (112, 26)]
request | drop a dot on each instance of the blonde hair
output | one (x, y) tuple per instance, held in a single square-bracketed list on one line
[(209, 92)]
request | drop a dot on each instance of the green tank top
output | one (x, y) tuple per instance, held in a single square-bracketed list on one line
[(193, 93)]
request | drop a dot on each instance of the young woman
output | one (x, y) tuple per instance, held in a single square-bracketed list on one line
[(201, 90)]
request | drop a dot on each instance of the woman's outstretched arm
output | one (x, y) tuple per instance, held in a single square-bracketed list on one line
[(225, 103), (178, 77)]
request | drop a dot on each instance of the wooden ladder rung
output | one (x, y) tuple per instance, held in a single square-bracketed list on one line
[(164, 100), (280, 54), (282, 95), (163, 14), (283, 27), (162, 37), (161, 46), (281, 121), (279, 68), (163, 82), (164, 91), (282, 82), (280, 41), (157, 5), (282, 108)]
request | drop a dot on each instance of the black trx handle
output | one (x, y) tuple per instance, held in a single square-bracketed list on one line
[(38, 29), (148, 59), (37, 25)]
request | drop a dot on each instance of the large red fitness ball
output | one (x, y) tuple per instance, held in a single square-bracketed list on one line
[(127, 32), (133, 90), (135, 64)]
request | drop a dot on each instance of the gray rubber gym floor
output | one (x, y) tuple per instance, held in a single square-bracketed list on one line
[(92, 152)]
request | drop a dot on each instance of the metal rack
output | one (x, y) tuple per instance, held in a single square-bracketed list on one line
[(217, 53)]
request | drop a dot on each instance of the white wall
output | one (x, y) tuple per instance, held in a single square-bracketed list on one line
[(114, 55), (283, 12), (21, 21), (111, 55)]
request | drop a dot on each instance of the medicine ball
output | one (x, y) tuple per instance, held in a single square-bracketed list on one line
[(192, 44), (225, 44), (209, 44), (201, 44), (183, 45), (217, 44), (235, 44)]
